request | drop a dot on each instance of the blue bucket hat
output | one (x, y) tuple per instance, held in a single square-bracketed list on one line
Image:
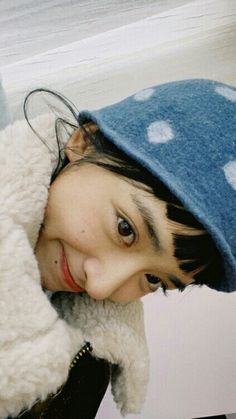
[(184, 133)]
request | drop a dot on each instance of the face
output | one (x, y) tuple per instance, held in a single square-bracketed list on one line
[(105, 236)]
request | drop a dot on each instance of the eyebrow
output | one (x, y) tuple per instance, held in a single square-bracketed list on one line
[(148, 221), (177, 283)]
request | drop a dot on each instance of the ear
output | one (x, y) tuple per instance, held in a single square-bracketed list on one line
[(79, 143)]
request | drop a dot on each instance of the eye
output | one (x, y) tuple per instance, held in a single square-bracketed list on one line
[(126, 231), (155, 283)]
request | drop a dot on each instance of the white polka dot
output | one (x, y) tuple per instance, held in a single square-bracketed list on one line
[(230, 173), (144, 95), (160, 132), (228, 93)]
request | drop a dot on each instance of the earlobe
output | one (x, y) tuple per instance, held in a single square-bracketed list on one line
[(80, 143)]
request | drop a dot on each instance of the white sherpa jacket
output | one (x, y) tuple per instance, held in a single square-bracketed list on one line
[(36, 344)]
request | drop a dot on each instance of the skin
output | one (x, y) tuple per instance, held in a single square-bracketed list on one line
[(93, 219)]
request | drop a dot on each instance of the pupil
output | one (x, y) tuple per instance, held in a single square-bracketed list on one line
[(124, 228), (153, 279)]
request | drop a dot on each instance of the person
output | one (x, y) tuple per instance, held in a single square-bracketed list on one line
[(134, 205), (57, 352)]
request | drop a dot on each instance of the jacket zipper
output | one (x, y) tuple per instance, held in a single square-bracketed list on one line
[(82, 352)]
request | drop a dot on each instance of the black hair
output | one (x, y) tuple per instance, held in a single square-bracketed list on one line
[(195, 249)]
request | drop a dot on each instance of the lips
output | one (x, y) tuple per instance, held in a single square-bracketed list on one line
[(67, 275)]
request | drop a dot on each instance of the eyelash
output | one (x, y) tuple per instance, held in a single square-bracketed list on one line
[(159, 284)]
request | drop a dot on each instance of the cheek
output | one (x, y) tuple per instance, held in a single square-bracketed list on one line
[(74, 222), (130, 291), (75, 214)]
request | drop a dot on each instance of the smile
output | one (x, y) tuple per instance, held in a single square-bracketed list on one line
[(69, 280)]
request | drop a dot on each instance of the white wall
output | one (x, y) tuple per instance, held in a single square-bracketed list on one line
[(105, 51), (192, 340)]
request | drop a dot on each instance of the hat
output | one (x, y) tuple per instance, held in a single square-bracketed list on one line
[(184, 133)]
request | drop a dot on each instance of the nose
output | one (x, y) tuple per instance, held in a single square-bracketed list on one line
[(104, 278)]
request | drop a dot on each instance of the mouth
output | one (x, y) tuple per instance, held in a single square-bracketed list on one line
[(68, 278)]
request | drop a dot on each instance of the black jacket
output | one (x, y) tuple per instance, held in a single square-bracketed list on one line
[(81, 395)]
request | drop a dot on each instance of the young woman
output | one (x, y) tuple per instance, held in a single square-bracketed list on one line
[(144, 198)]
